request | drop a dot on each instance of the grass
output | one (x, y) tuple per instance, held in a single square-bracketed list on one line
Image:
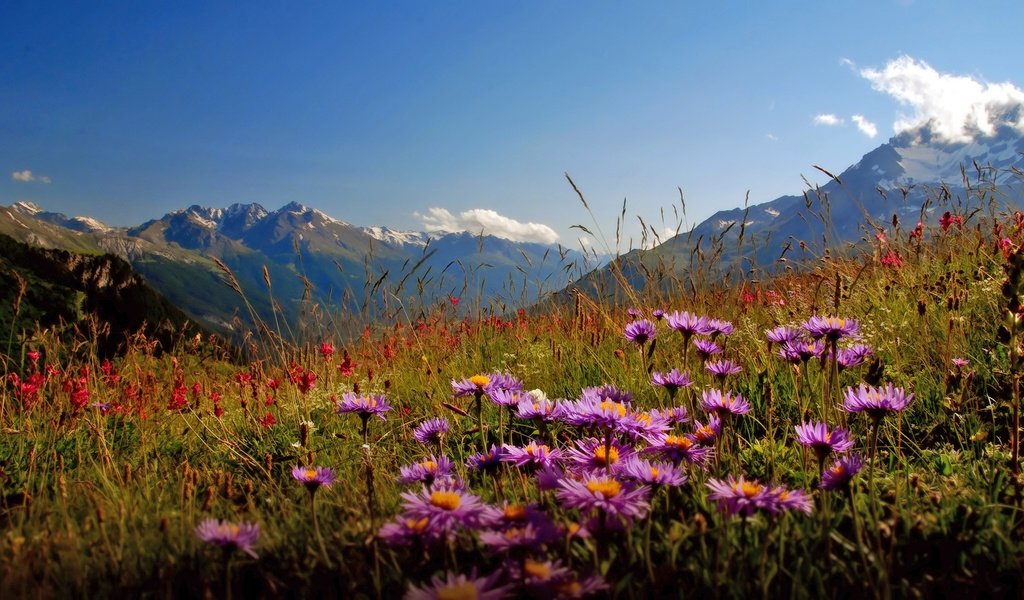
[(102, 495)]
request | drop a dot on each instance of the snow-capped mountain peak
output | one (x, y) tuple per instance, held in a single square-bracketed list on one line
[(395, 237)]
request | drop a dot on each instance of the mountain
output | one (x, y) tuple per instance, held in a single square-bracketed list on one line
[(915, 176), (57, 288), (313, 263)]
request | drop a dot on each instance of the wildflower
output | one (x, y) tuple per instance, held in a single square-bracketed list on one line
[(228, 535), (949, 219), (267, 421), (718, 326), (314, 477), (721, 369), (839, 475), (431, 431), (486, 462), (364, 406), (854, 356), (688, 324), (447, 505), (671, 381), (475, 385), (525, 536), (831, 328), (428, 470), (609, 495), (679, 449), (640, 332), (660, 473), (891, 259), (607, 392), (532, 407), (644, 424), (740, 496), (658, 314), (507, 398), (800, 351), (787, 499), (404, 531), (592, 454), (706, 348), (531, 455), (455, 585), (723, 404), (782, 335), (326, 350), (821, 441), (876, 401)]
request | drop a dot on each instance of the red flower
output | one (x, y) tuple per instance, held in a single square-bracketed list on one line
[(454, 300), (267, 421), (326, 350)]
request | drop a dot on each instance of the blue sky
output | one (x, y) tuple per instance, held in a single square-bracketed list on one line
[(416, 114)]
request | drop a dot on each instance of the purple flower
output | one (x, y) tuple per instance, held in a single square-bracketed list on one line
[(798, 351), (229, 535), (485, 384), (823, 442), (364, 406), (740, 496), (455, 585), (675, 415), (509, 398), (706, 348), (961, 362), (839, 475), (314, 477), (644, 471), (671, 381), (607, 392), (688, 324), (722, 368), (876, 401), (609, 495), (853, 356), (718, 326), (678, 448), (532, 455), (722, 404), (787, 499), (704, 435), (526, 536), (658, 314), (633, 313), (431, 431), (447, 505), (486, 462), (638, 424), (831, 328), (549, 579), (783, 335), (427, 470), (532, 407), (405, 531), (640, 332), (591, 455), (592, 411)]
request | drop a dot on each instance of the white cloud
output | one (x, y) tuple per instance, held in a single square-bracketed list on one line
[(847, 63), (866, 127), (771, 137), (27, 176), (955, 107), (827, 119), (490, 222)]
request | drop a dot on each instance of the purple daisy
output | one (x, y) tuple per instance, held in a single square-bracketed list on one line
[(532, 455), (658, 314), (740, 496), (719, 327), (854, 356), (688, 324), (532, 407), (721, 369), (640, 332), (592, 411), (655, 474), (427, 471), (591, 454), (723, 404), (431, 431), (706, 348), (486, 462), (364, 406), (607, 392), (404, 531), (507, 398), (821, 441), (633, 313), (783, 335), (314, 477), (229, 536), (800, 351), (839, 475), (671, 381), (876, 401), (705, 435), (679, 449), (787, 499), (831, 328), (447, 505), (550, 579), (523, 537), (609, 495), (457, 585), (639, 424), (476, 385), (675, 415)]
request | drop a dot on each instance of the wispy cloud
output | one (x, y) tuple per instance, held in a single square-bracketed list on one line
[(866, 127), (954, 107), (27, 176), (490, 222), (827, 119), (771, 137)]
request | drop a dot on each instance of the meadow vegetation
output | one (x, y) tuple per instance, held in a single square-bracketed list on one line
[(846, 429)]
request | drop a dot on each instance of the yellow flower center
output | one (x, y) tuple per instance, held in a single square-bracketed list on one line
[(569, 589), (417, 525), (609, 406), (480, 381), (655, 472), (606, 457), (838, 470), (536, 569), (227, 530), (534, 449), (644, 418), (515, 512), (607, 488), (458, 591), (429, 465), (705, 433), (679, 441), (310, 474), (748, 488), (446, 500)]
